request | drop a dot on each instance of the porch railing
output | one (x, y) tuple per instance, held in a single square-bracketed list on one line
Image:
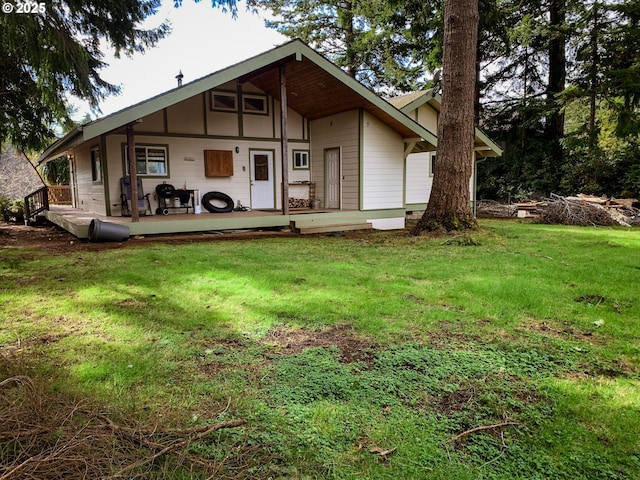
[(34, 204), (60, 194)]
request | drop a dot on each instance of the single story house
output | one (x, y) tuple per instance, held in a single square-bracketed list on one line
[(287, 137)]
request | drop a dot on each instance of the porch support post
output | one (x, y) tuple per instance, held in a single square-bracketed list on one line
[(133, 174), (284, 140)]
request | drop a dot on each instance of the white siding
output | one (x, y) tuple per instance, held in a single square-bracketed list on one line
[(295, 123), (383, 166), (222, 123), (186, 166), (260, 126), (395, 223), (419, 178)]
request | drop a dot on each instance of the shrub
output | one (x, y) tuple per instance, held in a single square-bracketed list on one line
[(12, 210)]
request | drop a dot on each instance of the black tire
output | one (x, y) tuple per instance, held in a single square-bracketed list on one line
[(165, 190), (209, 197)]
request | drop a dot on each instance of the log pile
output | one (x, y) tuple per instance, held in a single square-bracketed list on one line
[(491, 208), (586, 210), (530, 209), (573, 210), (298, 203)]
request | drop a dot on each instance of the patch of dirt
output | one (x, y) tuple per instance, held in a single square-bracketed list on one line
[(353, 348), (53, 239), (45, 238), (561, 332), (458, 401)]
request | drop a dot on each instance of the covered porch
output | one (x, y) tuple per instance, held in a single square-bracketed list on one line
[(303, 221)]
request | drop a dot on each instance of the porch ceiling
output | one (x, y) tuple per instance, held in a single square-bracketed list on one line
[(315, 93)]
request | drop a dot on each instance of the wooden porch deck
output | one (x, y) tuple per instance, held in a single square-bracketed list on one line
[(303, 220)]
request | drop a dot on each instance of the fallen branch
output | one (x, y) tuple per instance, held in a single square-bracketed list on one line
[(478, 429), (56, 437), (179, 445)]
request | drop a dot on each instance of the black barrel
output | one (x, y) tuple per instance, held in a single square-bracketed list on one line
[(100, 231)]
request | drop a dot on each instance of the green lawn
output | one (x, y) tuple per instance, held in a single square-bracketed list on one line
[(331, 347)]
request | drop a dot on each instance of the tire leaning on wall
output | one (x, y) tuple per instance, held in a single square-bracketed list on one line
[(218, 197)]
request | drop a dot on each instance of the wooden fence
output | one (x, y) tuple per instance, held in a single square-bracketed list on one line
[(60, 194)]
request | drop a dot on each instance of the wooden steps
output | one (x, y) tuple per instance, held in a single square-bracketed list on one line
[(342, 227)]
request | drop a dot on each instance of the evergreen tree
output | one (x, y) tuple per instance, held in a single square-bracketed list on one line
[(449, 205), (623, 60), (557, 74), (379, 42), (46, 56)]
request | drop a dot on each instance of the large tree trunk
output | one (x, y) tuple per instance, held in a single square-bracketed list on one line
[(593, 77), (449, 206), (554, 129)]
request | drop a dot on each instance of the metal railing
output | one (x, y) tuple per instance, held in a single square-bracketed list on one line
[(35, 203)]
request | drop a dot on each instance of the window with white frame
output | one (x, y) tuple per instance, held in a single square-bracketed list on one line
[(96, 165), (432, 162), (301, 160), (151, 160), (255, 104), (224, 101)]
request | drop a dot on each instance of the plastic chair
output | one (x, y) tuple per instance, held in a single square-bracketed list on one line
[(144, 206)]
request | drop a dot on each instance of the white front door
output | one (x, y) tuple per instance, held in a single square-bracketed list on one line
[(262, 179), (332, 161)]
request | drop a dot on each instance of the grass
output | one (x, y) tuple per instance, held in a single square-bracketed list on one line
[(332, 346)]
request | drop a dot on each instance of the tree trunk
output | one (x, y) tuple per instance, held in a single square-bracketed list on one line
[(449, 206), (593, 80), (554, 129)]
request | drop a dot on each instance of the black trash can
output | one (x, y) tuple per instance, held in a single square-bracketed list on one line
[(100, 231)]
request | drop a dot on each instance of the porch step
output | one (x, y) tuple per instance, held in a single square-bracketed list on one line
[(308, 229)]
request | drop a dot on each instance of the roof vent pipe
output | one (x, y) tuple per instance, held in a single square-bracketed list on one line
[(179, 77)]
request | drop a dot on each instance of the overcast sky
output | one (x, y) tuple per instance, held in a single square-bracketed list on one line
[(203, 40)]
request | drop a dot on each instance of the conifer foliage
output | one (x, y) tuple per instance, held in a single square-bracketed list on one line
[(46, 56)]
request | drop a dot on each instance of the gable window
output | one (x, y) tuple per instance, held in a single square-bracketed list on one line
[(96, 165), (224, 101), (301, 160), (151, 160), (255, 104)]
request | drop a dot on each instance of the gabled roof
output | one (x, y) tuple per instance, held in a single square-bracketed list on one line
[(316, 88), (410, 102)]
